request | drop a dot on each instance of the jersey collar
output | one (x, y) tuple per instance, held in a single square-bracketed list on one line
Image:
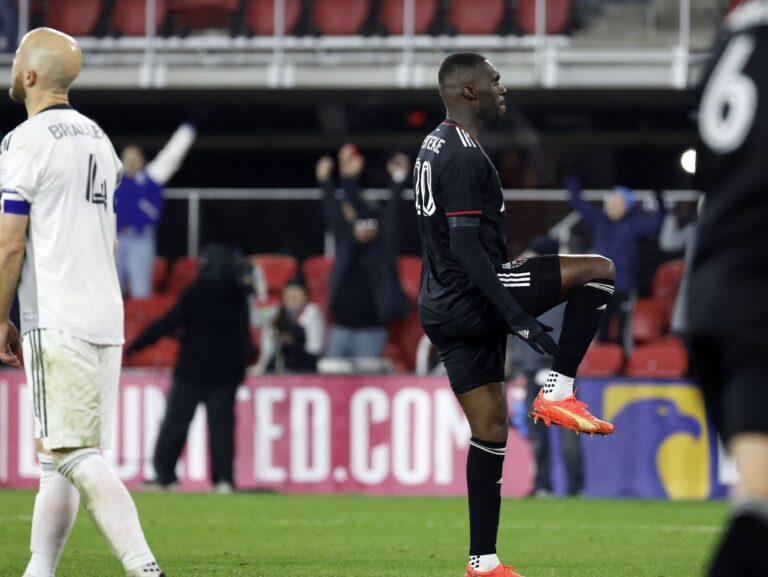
[(57, 107)]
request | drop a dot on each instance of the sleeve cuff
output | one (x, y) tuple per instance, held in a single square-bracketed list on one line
[(11, 202)]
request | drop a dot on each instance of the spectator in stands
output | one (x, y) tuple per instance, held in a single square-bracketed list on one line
[(618, 230), (534, 368), (365, 289), (9, 16), (292, 341), (139, 205), (215, 351), (678, 232)]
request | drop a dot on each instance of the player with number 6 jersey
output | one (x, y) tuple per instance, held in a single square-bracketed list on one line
[(728, 298), (472, 296)]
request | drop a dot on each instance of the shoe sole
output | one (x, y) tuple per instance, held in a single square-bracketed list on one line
[(549, 420)]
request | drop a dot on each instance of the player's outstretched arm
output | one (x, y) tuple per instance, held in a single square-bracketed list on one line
[(168, 161)]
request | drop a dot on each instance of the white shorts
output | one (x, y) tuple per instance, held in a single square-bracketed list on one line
[(74, 388)]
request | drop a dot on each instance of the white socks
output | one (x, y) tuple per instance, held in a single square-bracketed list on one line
[(109, 505), (484, 562), (558, 387), (54, 514)]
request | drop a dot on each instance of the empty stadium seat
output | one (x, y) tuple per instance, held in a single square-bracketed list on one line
[(260, 16), (602, 360), (317, 274), (648, 321), (129, 16), (558, 16), (391, 15), (203, 13), (410, 276), (183, 273), (666, 283), (75, 18), (340, 17), (278, 270), (476, 16), (161, 354), (666, 358), (146, 310), (159, 274)]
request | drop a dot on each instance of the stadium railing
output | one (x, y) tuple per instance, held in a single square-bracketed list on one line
[(609, 49)]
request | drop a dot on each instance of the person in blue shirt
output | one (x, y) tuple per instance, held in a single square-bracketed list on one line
[(617, 231), (139, 206)]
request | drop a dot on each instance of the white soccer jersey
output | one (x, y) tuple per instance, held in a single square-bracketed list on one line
[(61, 169)]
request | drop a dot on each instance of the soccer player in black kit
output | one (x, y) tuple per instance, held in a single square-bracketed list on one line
[(728, 298), (471, 298)]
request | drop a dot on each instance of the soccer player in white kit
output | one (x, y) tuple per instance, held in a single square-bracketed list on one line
[(58, 173)]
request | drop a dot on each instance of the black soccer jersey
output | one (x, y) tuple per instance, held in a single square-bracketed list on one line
[(455, 179), (732, 252)]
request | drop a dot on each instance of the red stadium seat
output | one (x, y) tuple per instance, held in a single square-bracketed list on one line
[(260, 16), (75, 18), (161, 354), (340, 17), (666, 283), (159, 274), (391, 15), (648, 321), (203, 13), (660, 359), (145, 311), (129, 16), (410, 276), (476, 16), (404, 337), (278, 270), (317, 274), (602, 360), (558, 15), (183, 273)]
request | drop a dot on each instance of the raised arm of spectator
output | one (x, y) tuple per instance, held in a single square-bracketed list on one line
[(399, 169), (649, 225), (672, 236), (335, 218), (169, 159), (588, 211)]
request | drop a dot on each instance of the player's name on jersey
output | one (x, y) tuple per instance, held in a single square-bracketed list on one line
[(433, 143), (72, 129)]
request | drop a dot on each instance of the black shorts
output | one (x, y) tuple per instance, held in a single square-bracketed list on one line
[(473, 351), (730, 367)]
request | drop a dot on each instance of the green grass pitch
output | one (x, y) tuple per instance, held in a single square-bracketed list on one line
[(268, 535)]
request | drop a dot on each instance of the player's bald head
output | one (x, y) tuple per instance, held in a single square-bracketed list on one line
[(47, 59), (458, 70)]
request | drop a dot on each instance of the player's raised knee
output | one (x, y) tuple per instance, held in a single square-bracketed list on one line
[(603, 268)]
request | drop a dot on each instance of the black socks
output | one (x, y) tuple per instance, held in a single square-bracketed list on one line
[(583, 313), (484, 466)]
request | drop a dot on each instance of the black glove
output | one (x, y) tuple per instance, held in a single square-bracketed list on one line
[(534, 334)]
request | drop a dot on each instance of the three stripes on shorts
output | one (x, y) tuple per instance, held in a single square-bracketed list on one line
[(515, 279)]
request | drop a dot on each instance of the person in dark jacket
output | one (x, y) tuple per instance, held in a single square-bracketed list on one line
[(365, 290), (213, 317), (617, 231)]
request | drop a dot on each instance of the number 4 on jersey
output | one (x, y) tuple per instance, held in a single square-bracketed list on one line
[(95, 192)]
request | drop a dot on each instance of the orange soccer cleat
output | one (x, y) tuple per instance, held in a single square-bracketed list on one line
[(499, 571), (570, 413)]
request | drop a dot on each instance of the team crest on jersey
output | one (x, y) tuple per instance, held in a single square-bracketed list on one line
[(518, 262)]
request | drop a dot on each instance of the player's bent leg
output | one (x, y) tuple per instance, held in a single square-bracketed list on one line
[(587, 284), (53, 516), (486, 410), (110, 506), (743, 549)]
